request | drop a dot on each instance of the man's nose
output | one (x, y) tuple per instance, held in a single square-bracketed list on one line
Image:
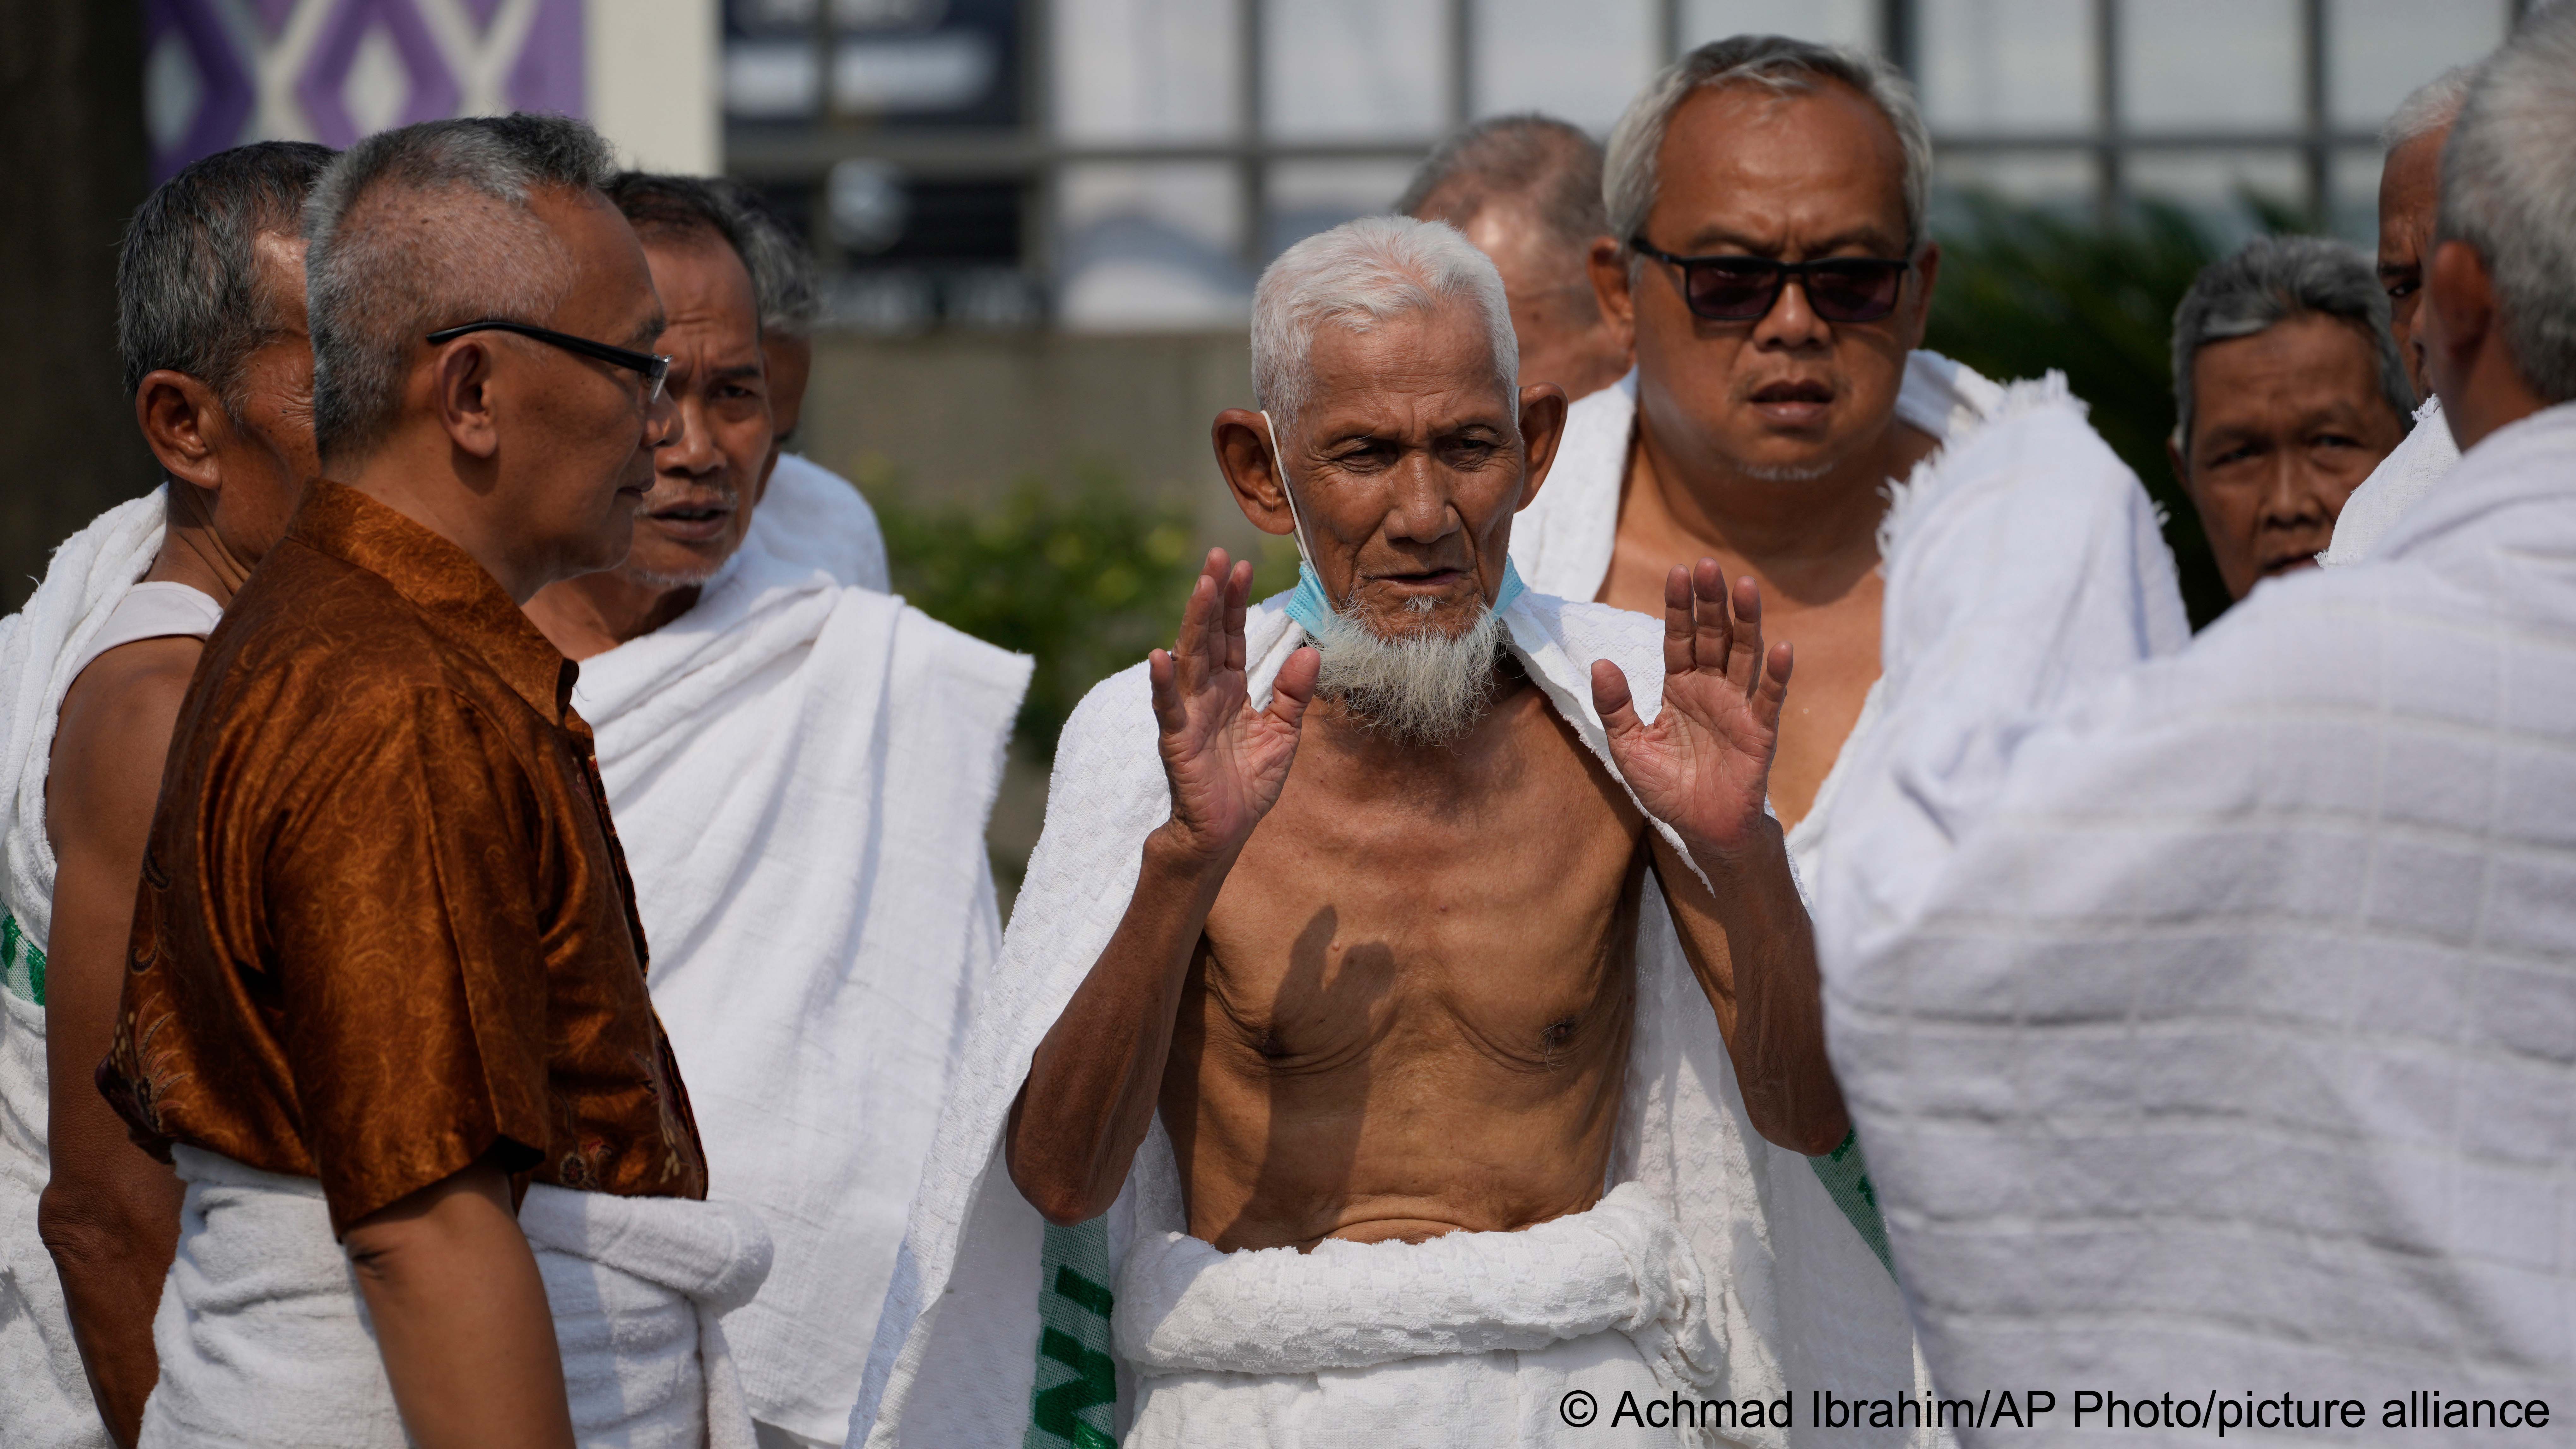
[(1790, 323), (661, 420), (1423, 508), (689, 446), (2294, 492)]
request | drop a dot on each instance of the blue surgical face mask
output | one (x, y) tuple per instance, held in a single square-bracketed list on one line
[(1309, 605)]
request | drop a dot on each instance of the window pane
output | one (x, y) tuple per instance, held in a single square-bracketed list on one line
[(1356, 70), (2007, 65), (2353, 205), (1151, 248), (2214, 185), (2060, 179), (1577, 63), (1844, 22), (1145, 70), (2199, 65), (2381, 49), (1311, 196)]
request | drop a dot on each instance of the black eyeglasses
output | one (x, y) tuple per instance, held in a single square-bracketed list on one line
[(1744, 289), (655, 370)]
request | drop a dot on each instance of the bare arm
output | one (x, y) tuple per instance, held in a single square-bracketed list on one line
[(1703, 767), (461, 1317), (1095, 1078), (110, 1212)]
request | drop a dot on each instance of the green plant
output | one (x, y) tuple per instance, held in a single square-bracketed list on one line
[(2025, 290)]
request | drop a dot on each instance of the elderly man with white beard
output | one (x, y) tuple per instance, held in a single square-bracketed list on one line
[(800, 771), (1410, 986), (2211, 1026)]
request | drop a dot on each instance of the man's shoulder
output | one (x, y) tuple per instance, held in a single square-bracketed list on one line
[(314, 627)]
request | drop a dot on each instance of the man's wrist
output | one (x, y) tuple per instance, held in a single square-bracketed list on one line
[(1174, 857)]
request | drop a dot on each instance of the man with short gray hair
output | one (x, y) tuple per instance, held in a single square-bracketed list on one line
[(2287, 392), (1772, 253), (2409, 188), (1526, 189), (1410, 984), (210, 303), (386, 1008), (2237, 985)]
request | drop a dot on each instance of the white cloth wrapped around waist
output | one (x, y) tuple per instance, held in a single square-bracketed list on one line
[(264, 1339), (44, 1396), (1185, 1307)]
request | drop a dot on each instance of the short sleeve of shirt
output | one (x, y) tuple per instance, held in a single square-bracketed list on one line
[(409, 957)]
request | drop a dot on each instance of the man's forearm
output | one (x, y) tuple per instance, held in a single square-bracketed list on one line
[(112, 1255), (1095, 1078), (1755, 953), (461, 1318)]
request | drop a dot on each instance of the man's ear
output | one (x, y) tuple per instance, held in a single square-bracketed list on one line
[(1542, 428), (2458, 312), (2181, 469), (184, 424), (1927, 266), (1608, 263), (1242, 441), (460, 380)]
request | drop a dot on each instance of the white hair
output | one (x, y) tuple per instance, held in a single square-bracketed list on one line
[(1422, 688), (2427, 108), (1778, 64), (1356, 276), (2509, 190)]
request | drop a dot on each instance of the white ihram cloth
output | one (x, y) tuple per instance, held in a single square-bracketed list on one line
[(800, 774), (264, 1339), (44, 1396), (812, 515), (954, 1365), (2415, 467), (2221, 1031)]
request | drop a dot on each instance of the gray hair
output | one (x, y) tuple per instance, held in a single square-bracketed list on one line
[(1355, 276), (782, 267), (1781, 65), (188, 296), (683, 208), (426, 227), (2509, 190), (1550, 164), (2273, 280), (2427, 108)]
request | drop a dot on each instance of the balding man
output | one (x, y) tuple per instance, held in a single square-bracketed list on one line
[(801, 770), (1354, 1035), (2287, 393), (2212, 1027), (1769, 200), (210, 303), (2409, 189), (386, 1006), (1527, 191)]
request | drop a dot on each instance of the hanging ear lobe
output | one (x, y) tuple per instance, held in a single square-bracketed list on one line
[(184, 424), (462, 386), (1243, 454)]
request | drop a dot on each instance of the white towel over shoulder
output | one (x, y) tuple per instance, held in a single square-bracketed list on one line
[(265, 1341), (800, 773), (957, 1346), (44, 1395)]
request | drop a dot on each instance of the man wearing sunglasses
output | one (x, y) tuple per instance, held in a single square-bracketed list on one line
[(386, 1009), (1768, 201)]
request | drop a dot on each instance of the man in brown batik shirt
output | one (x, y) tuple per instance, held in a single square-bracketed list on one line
[(386, 954)]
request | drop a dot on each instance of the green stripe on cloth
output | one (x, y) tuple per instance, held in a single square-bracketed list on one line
[(1075, 1398), (22, 966), (1845, 1174)]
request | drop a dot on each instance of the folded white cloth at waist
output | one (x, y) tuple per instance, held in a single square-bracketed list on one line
[(1470, 1338), (264, 1339), (1184, 1306)]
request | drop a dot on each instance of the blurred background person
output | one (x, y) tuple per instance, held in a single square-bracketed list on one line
[(2288, 391), (800, 770), (1527, 191), (2410, 178), (809, 513), (211, 327)]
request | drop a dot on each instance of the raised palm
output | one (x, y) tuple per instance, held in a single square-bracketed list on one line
[(1704, 766), (1225, 760)]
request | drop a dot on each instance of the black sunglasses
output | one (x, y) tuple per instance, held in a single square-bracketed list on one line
[(655, 370), (1744, 289)]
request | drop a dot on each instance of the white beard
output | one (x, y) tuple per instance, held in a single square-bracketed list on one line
[(1422, 689)]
